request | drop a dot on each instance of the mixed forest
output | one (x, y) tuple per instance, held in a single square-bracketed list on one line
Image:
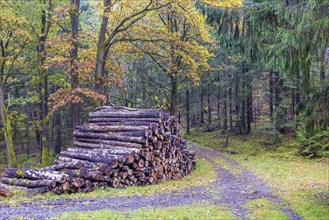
[(246, 83), (228, 65)]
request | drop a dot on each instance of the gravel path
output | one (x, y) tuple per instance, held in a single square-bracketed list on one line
[(231, 189)]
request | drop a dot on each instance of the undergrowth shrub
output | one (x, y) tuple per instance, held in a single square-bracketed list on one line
[(267, 135), (314, 146)]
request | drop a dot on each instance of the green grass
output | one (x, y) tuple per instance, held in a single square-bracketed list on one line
[(203, 211), (301, 182), (203, 175), (264, 209)]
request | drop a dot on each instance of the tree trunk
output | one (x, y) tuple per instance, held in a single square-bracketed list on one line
[(218, 101), (278, 110), (322, 65), (74, 59), (225, 111), (230, 108), (242, 118), (237, 102), (101, 52), (27, 124), (11, 156), (58, 135), (44, 91), (209, 104), (293, 104), (187, 111), (271, 95), (249, 109), (201, 105), (143, 88), (173, 94)]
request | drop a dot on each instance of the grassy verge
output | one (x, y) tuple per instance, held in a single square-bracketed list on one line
[(264, 209), (301, 182), (203, 175), (191, 212)]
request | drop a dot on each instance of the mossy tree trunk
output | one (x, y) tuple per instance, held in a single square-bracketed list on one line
[(74, 59), (11, 156), (45, 26)]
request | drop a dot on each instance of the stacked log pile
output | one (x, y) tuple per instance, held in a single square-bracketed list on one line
[(117, 147)]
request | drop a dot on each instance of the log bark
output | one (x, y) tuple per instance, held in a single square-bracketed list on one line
[(107, 143), (28, 183), (65, 165), (105, 152), (78, 182), (87, 164), (127, 114), (140, 140), (30, 191), (92, 158), (114, 128), (148, 120), (37, 174), (120, 123), (100, 153)]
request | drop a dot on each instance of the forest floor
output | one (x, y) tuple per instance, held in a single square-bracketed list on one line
[(219, 188)]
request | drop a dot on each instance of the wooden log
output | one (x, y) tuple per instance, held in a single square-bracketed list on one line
[(82, 172), (96, 176), (141, 163), (129, 159), (114, 183), (66, 186), (65, 165), (114, 150), (58, 190), (120, 108), (92, 158), (30, 191), (5, 193), (123, 120), (130, 172), (154, 128), (106, 136), (120, 123), (114, 128), (88, 183), (85, 163), (37, 174), (99, 152), (111, 143), (133, 165), (28, 183), (155, 140), (166, 116), (88, 189), (127, 114), (114, 173)]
